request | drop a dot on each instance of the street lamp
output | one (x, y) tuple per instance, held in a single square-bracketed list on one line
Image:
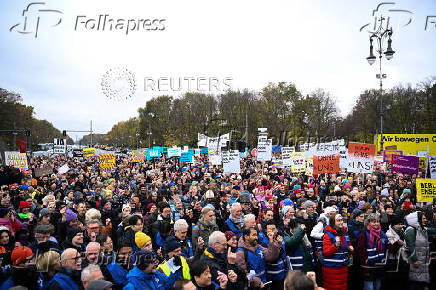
[(380, 35)]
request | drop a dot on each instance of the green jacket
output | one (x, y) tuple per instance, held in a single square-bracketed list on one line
[(293, 241)]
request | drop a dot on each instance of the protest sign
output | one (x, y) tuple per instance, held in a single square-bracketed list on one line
[(63, 169), (425, 189), (432, 166), (45, 170), (187, 156), (423, 164), (231, 162), (325, 164), (405, 164), (17, 160), (298, 163), (153, 153), (360, 157), (137, 156), (343, 157), (264, 149), (387, 155), (214, 157), (410, 144), (286, 155), (59, 146), (309, 166), (174, 152), (197, 152), (107, 162), (88, 152), (202, 140), (77, 153)]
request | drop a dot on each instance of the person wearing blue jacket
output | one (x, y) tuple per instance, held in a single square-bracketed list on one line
[(144, 274)]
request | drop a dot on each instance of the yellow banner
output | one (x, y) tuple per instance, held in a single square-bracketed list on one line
[(88, 152), (425, 189), (410, 144)]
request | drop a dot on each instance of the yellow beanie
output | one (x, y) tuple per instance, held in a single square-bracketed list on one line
[(141, 239)]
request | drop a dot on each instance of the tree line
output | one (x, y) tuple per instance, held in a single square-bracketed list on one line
[(284, 110), (20, 118)]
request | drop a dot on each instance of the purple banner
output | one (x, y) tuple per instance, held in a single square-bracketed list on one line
[(405, 164)]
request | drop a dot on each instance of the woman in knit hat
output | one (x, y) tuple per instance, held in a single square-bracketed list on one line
[(143, 242)]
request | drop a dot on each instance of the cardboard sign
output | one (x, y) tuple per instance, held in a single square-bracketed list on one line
[(298, 163), (325, 164), (59, 146), (264, 149), (88, 152), (425, 189), (17, 160), (309, 166), (286, 155), (360, 157), (187, 156), (231, 162), (405, 164), (46, 170), (64, 169), (387, 155)]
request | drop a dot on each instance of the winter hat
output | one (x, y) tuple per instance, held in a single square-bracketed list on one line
[(44, 212), (308, 203), (229, 235), (384, 192), (170, 244), (356, 212), (99, 285), (396, 219), (72, 232), (361, 204), (24, 204), (287, 202), (141, 239), (70, 215), (285, 209), (19, 254), (329, 209), (126, 206)]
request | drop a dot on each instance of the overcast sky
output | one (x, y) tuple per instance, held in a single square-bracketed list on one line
[(314, 44)]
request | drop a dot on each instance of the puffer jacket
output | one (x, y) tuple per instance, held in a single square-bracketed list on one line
[(418, 247)]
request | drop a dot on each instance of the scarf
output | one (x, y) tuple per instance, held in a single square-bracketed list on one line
[(24, 216), (375, 235), (238, 222)]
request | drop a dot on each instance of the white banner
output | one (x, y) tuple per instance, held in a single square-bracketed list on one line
[(174, 152), (231, 162)]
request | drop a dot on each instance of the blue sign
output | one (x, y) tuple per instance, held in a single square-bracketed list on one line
[(153, 153), (187, 156), (204, 150)]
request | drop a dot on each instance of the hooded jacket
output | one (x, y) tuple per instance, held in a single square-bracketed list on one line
[(140, 280)]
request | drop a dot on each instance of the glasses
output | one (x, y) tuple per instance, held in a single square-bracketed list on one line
[(75, 258)]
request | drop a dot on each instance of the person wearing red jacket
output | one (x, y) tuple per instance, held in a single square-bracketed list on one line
[(336, 247)]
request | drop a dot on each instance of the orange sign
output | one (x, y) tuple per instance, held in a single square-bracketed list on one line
[(326, 164), (361, 150)]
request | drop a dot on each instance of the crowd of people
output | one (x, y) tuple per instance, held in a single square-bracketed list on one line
[(165, 225)]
